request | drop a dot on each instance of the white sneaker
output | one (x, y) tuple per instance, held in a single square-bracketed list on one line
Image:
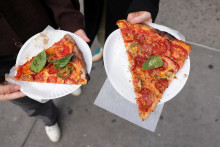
[(53, 132), (77, 92)]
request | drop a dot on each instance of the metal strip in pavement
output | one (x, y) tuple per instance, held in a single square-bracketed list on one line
[(203, 46), (26, 138)]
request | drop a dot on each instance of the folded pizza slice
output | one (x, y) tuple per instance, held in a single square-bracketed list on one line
[(61, 63), (154, 59)]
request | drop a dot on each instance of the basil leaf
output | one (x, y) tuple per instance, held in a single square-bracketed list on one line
[(38, 62), (153, 62), (61, 62)]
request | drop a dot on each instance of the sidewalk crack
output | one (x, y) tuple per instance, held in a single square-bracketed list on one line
[(25, 140)]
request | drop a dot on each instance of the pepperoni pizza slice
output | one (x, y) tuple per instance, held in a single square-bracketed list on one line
[(154, 58), (62, 63)]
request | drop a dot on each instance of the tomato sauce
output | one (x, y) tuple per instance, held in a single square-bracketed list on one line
[(139, 61), (52, 79), (161, 85), (66, 51)]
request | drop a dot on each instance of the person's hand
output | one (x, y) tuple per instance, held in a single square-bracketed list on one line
[(10, 91), (139, 17), (81, 33)]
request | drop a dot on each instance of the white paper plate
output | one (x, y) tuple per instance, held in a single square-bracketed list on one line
[(117, 67), (35, 45)]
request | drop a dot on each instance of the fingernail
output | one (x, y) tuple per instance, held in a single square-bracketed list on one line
[(17, 87)]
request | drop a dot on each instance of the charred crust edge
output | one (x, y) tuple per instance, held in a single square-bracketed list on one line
[(77, 52), (87, 77), (163, 33), (68, 37)]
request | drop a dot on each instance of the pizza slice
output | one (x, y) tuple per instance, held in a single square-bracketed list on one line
[(154, 59), (62, 63)]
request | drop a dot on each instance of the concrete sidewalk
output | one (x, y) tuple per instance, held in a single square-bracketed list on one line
[(191, 119)]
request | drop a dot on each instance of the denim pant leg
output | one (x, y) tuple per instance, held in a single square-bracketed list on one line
[(47, 112)]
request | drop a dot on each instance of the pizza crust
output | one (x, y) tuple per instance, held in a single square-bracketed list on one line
[(77, 52)]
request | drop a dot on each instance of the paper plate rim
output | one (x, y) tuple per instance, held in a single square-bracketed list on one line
[(77, 39), (180, 37)]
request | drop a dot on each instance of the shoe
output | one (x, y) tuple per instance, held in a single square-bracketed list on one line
[(53, 132), (77, 92), (97, 55)]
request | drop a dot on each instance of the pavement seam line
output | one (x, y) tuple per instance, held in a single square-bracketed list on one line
[(25, 140), (203, 46)]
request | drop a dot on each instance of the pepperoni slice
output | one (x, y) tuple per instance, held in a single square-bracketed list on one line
[(146, 100), (178, 52), (147, 48), (52, 79), (65, 51), (145, 92), (161, 85), (51, 69), (173, 63), (140, 38), (139, 60), (159, 48), (39, 77), (164, 67)]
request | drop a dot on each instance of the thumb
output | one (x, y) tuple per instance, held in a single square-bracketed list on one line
[(82, 34), (85, 38), (139, 17), (5, 89), (130, 16)]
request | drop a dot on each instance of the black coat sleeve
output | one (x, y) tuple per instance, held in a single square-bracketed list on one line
[(8, 38), (66, 14), (151, 6)]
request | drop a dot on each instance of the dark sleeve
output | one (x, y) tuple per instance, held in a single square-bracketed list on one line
[(66, 14), (9, 38), (151, 6)]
